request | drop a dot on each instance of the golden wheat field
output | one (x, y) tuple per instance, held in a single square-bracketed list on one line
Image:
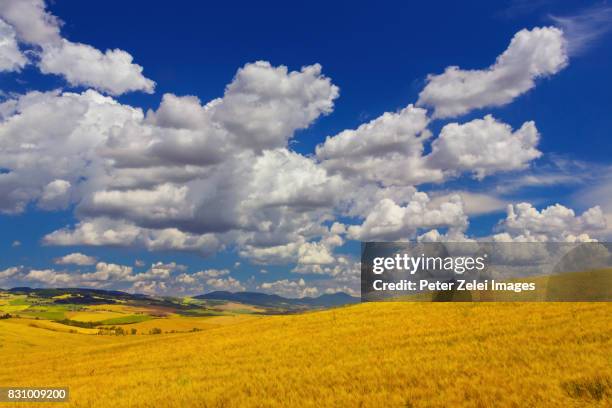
[(368, 355)]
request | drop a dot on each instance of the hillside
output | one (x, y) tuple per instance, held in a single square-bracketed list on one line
[(370, 355), (262, 299)]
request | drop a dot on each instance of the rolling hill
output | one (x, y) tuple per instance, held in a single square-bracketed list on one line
[(390, 354), (262, 299)]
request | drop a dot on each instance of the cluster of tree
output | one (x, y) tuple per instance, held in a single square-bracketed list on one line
[(120, 331), (85, 325), (117, 331)]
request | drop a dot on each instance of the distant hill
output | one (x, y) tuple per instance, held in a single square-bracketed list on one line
[(86, 296), (272, 303), (81, 292), (265, 300)]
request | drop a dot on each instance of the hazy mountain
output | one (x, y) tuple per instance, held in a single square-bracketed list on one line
[(263, 299)]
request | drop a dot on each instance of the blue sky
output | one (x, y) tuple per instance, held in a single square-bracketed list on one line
[(378, 56)]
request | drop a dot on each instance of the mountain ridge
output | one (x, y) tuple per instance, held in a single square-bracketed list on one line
[(264, 299), (91, 296)]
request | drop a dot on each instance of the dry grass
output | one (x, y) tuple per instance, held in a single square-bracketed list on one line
[(51, 325), (368, 355), (232, 307), (92, 316), (184, 324)]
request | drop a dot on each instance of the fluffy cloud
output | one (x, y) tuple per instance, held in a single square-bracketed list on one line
[(159, 271), (149, 288), (288, 288), (390, 150), (75, 258), (48, 143), (598, 190), (298, 249), (266, 205), (9, 272), (54, 195), (161, 278), (145, 206), (387, 150), (228, 284), (112, 71), (525, 223), (314, 253), (186, 278), (50, 277), (185, 283), (391, 222), (272, 254), (201, 177), (11, 59), (201, 276), (33, 23), (213, 273), (344, 271), (169, 178), (109, 271), (261, 108), (473, 203), (532, 54), (485, 146), (96, 232), (555, 223), (266, 104), (103, 231)]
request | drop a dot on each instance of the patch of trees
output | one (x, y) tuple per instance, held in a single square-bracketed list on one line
[(116, 331), (84, 300), (76, 323)]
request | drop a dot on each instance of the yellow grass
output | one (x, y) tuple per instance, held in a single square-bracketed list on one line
[(118, 308), (64, 296), (184, 324), (51, 325), (93, 316), (232, 307), (368, 355), (12, 308), (6, 307)]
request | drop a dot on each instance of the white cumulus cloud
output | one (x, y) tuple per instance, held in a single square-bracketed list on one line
[(291, 289), (228, 284), (555, 223), (532, 54), (11, 58), (112, 71), (485, 146), (392, 222), (75, 258)]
